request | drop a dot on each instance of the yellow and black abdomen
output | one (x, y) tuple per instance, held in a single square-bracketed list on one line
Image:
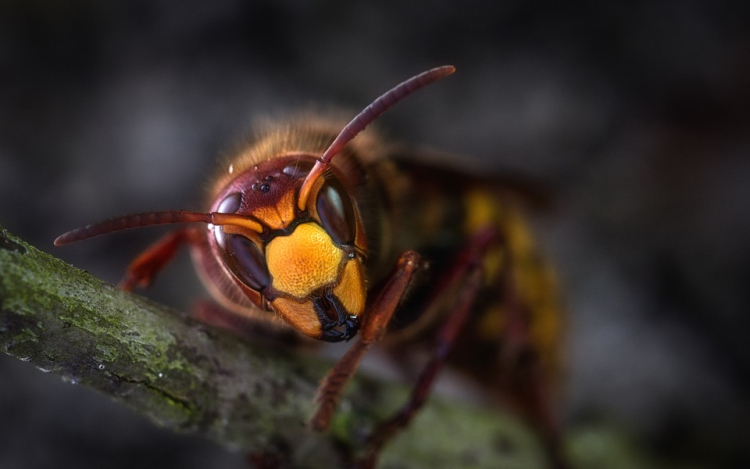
[(436, 212)]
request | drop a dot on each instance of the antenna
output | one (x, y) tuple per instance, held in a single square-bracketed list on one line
[(138, 220), (365, 118)]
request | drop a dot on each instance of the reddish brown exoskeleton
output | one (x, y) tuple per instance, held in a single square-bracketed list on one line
[(328, 232)]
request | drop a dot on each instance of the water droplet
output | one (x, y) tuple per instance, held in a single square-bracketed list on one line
[(101, 366), (70, 379), (161, 375)]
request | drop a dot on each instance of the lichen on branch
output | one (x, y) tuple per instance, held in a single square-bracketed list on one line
[(189, 377)]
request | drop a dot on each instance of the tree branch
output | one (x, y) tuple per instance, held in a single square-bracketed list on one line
[(188, 377)]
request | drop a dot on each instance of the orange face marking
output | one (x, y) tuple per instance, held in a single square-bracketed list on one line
[(304, 261), (300, 316), (277, 216), (351, 290)]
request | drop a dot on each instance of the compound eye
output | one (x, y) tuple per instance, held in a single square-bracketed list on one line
[(244, 259), (334, 207)]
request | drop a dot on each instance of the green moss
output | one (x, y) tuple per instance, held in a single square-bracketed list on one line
[(157, 362), (105, 353), (594, 447), (26, 335), (489, 440)]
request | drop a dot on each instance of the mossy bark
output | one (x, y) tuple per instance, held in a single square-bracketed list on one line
[(189, 377)]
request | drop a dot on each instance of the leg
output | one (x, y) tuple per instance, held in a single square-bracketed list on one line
[(144, 268), (377, 316), (421, 391), (526, 382), (466, 274)]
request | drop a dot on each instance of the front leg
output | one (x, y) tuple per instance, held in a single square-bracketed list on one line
[(143, 269), (466, 278), (465, 273), (377, 317)]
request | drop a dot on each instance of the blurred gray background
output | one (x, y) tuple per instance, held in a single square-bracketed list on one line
[(635, 114)]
